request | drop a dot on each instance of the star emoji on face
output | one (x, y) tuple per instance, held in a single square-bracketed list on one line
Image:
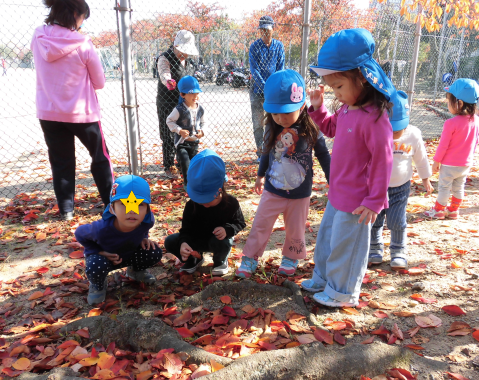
[(131, 203)]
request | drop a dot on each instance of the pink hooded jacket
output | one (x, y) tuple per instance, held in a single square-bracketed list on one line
[(68, 73)]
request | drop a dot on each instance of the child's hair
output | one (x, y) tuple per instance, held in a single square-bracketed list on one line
[(63, 12), (224, 200), (466, 109), (310, 130), (368, 95)]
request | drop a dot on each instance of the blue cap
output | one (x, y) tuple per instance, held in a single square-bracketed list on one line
[(189, 85), (266, 22), (284, 92), (206, 174), (350, 49), (400, 117), (122, 188), (464, 89)]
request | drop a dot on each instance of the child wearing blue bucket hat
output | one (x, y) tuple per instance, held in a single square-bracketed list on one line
[(408, 147), (361, 163), (187, 121), (120, 238), (211, 217), (454, 155), (286, 171)]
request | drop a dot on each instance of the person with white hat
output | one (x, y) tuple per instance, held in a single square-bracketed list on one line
[(172, 66)]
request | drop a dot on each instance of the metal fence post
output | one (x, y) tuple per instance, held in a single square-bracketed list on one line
[(441, 47), (129, 85), (395, 46), (305, 39), (415, 56), (459, 55)]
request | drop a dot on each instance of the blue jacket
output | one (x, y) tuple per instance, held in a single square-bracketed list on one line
[(103, 236), (264, 61)]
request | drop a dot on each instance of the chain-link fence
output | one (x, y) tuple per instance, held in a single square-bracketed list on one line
[(231, 94)]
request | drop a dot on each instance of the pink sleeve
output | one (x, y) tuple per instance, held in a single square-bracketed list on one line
[(325, 121), (379, 142), (446, 136), (95, 69)]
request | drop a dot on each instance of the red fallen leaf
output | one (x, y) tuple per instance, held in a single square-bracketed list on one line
[(241, 325), (456, 376), (226, 300), (438, 273), (421, 299), (323, 336), (95, 312), (229, 311), (145, 375), (276, 325), (338, 325), (414, 347), (459, 325), (226, 340), (35, 295), (106, 361), (182, 319), (41, 236), (84, 333), (381, 331), (339, 338), (267, 346), (380, 314), (429, 321), (200, 327), (416, 271), (392, 339), (11, 372), (172, 363), (184, 332), (365, 378), (397, 331), (475, 335), (401, 374), (220, 320), (453, 310), (42, 270), (204, 340), (368, 341), (166, 312), (67, 344), (76, 255), (195, 254)]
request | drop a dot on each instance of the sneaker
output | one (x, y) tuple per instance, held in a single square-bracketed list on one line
[(375, 254), (312, 286), (288, 266), (398, 262), (452, 214), (96, 296), (192, 264), (433, 213), (220, 270), (171, 173), (247, 267), (325, 300), (141, 276), (67, 215)]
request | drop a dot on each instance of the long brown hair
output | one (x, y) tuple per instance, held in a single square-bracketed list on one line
[(310, 132), (368, 96), (467, 109)]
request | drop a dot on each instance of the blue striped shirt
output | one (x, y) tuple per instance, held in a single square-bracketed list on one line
[(264, 61)]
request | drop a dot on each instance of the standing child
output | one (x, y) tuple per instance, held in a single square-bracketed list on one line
[(211, 217), (120, 238), (287, 163), (187, 120), (408, 147), (454, 155), (360, 166)]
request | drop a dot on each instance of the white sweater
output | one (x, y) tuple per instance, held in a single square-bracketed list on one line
[(408, 148)]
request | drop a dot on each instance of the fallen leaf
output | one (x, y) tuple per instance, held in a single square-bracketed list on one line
[(323, 336), (182, 319), (456, 376), (95, 312), (368, 341), (216, 366), (35, 295), (41, 236), (475, 335), (339, 338), (21, 364), (414, 347), (387, 287), (184, 332), (397, 331), (380, 314), (429, 321), (306, 338), (416, 271), (76, 255), (226, 300), (453, 310)]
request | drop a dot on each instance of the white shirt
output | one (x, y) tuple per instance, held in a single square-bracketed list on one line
[(173, 117), (408, 148)]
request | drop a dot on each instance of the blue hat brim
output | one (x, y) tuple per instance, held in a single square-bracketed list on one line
[(399, 125), (201, 198), (375, 75), (282, 108)]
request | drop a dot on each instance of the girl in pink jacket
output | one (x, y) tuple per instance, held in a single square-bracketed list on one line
[(454, 155), (68, 73)]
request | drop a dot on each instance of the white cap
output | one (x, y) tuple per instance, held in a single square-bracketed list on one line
[(185, 42)]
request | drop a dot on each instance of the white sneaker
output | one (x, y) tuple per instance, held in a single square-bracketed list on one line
[(220, 270)]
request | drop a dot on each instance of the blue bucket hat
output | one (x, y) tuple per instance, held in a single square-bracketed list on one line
[(284, 92), (464, 89), (189, 85), (266, 22), (122, 189), (206, 174), (400, 117), (350, 49)]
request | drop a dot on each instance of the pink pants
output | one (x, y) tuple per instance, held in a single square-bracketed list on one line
[(295, 213)]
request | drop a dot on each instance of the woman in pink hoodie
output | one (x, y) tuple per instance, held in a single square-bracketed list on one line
[(68, 73)]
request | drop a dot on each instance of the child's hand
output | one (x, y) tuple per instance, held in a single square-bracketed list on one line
[(427, 186), (435, 167), (147, 244), (258, 186), (185, 251), (220, 233), (184, 133), (316, 97), (369, 216), (113, 257), (200, 134)]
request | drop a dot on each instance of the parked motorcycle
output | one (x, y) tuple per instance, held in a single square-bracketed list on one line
[(223, 76), (241, 77)]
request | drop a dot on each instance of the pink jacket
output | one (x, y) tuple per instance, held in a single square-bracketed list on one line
[(458, 141), (68, 73)]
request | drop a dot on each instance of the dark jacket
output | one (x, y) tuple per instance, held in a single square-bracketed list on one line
[(165, 97)]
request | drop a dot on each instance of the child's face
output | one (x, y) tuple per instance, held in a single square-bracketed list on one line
[(287, 140), (214, 202), (191, 100), (346, 90), (286, 120), (128, 222), (452, 106)]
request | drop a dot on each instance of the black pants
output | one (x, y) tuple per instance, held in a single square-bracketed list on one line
[(167, 137), (184, 153), (60, 139), (97, 266), (219, 248)]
